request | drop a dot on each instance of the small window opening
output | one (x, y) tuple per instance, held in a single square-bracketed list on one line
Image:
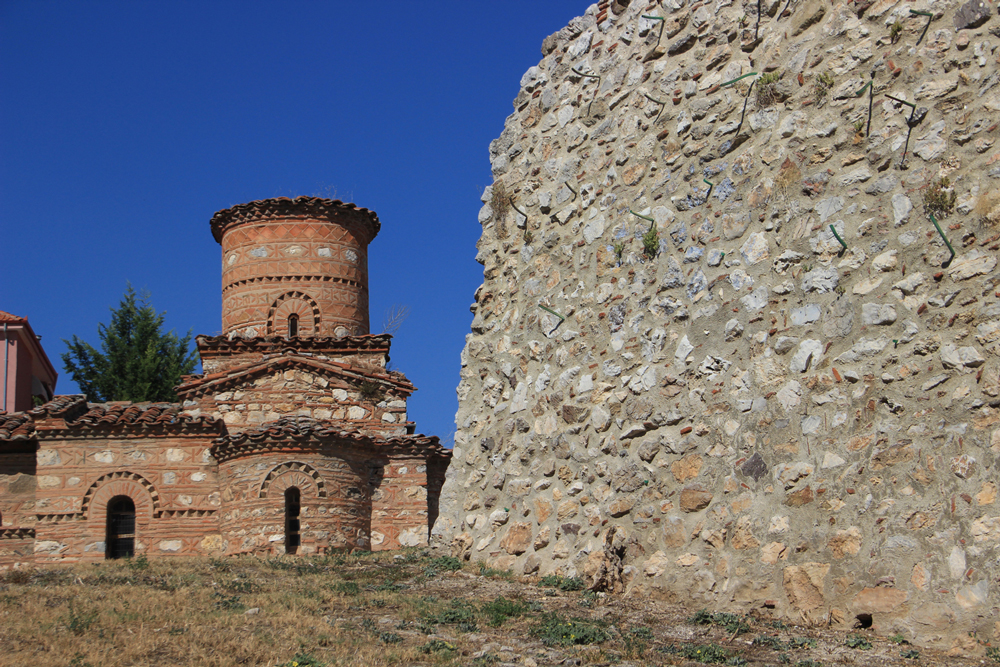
[(863, 621), (120, 539), (293, 325), (292, 509)]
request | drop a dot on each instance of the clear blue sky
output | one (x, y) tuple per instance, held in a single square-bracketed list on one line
[(125, 125)]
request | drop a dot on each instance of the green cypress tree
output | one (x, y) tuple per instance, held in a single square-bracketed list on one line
[(137, 361)]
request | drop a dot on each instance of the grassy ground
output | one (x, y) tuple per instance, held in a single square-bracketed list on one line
[(401, 608)]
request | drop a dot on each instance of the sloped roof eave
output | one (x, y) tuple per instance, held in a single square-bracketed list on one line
[(207, 382)]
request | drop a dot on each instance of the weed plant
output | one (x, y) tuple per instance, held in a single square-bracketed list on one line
[(939, 198), (553, 629)]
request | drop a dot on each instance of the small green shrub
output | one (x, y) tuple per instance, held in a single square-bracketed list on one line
[(389, 638), (567, 584), (993, 653), (138, 563), (79, 621), (705, 653), (858, 642), (447, 563), (767, 89), (459, 613), (554, 629), (492, 572), (733, 623), (438, 646), (228, 602), (499, 610), (346, 588), (895, 30), (651, 242), (770, 642), (912, 654), (619, 249), (302, 659), (822, 86), (939, 198)]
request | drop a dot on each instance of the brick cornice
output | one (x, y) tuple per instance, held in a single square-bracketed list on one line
[(219, 346)]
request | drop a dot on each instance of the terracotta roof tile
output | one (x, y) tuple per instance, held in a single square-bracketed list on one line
[(141, 415), (16, 426), (11, 319), (301, 429), (66, 406), (283, 207)]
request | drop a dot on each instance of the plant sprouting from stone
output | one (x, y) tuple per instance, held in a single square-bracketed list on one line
[(500, 203), (767, 89), (527, 236), (895, 30), (371, 391), (651, 242), (822, 86), (940, 197), (619, 249)]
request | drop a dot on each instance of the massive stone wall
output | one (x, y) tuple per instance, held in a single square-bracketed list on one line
[(728, 409)]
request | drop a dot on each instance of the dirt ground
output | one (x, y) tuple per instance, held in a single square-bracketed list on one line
[(407, 608)]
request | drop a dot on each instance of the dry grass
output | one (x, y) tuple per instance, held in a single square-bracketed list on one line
[(500, 203), (987, 210), (391, 608)]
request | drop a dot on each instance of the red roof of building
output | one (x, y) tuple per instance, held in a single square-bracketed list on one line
[(283, 207), (14, 319)]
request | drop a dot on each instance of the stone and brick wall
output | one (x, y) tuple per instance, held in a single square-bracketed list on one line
[(730, 407), (335, 501), (172, 480)]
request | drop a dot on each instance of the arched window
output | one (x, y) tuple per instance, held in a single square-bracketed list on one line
[(119, 542), (293, 325), (292, 509)]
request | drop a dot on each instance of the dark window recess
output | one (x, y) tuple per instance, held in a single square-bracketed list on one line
[(120, 539), (292, 509), (293, 326)]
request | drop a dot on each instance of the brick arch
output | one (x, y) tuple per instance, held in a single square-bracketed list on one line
[(123, 483), (298, 303), (293, 473)]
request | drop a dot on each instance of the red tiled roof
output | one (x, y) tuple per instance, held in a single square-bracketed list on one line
[(283, 207), (136, 414), (16, 426), (278, 344), (124, 415), (298, 430), (215, 381), (66, 406), (12, 319)]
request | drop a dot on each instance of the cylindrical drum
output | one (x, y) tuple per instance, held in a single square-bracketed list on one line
[(295, 267)]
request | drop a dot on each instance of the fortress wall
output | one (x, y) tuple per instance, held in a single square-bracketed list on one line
[(733, 410)]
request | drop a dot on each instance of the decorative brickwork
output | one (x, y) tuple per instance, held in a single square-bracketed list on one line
[(306, 257), (294, 440)]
